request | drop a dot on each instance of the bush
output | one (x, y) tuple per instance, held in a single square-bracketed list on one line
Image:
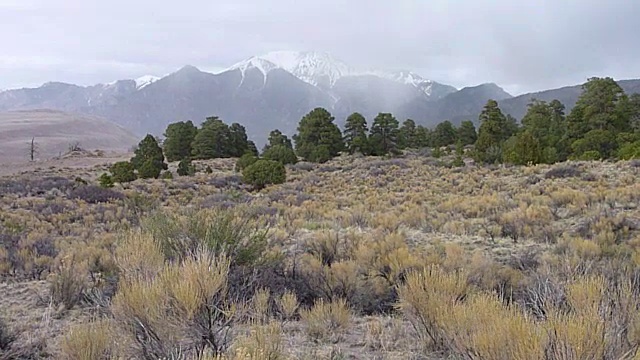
[(95, 194), (6, 337), (280, 153), (326, 319), (150, 169), (264, 172), (166, 175), (245, 161), (590, 155), (208, 170), (105, 180), (122, 172), (88, 341), (562, 172), (67, 286), (630, 151), (186, 168)]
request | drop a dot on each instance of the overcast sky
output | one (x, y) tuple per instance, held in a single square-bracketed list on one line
[(520, 45)]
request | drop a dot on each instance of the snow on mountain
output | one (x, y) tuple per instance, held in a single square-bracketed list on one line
[(409, 78), (315, 68), (145, 80)]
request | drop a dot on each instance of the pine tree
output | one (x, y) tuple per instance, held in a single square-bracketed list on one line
[(445, 134), (276, 137), (408, 135), (546, 123), (384, 135), (318, 138), (522, 149), (252, 149), (212, 140), (493, 132), (355, 134), (238, 141), (280, 153), (148, 158), (178, 139), (122, 172), (599, 116), (467, 133), (423, 137)]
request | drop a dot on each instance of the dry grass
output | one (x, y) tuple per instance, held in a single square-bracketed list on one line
[(508, 250)]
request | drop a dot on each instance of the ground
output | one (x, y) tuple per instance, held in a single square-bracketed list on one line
[(501, 215)]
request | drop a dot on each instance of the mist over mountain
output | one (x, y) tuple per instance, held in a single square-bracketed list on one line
[(274, 91)]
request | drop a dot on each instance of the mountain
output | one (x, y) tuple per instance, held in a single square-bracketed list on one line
[(275, 90), (53, 131)]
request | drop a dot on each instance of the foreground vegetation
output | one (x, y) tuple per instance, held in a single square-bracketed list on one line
[(359, 257)]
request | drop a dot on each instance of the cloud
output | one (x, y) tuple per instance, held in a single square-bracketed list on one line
[(521, 45)]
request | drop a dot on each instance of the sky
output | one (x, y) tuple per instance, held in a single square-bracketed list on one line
[(521, 45)]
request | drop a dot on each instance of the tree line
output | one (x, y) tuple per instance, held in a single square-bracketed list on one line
[(604, 124)]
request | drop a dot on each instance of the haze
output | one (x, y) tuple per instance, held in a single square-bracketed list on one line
[(522, 46)]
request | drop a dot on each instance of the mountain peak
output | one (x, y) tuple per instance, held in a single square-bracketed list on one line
[(315, 68), (146, 80)]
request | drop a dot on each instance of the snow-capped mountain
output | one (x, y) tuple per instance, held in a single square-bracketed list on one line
[(315, 68), (145, 81), (323, 70)]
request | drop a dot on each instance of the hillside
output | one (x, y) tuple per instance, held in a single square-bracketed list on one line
[(54, 131)]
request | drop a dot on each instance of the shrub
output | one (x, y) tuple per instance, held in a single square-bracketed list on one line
[(630, 151), (562, 172), (208, 170), (245, 161), (150, 169), (264, 172), (326, 319), (166, 175), (88, 341), (95, 194), (262, 342), (280, 153), (105, 180), (186, 168), (122, 172), (590, 155), (68, 284)]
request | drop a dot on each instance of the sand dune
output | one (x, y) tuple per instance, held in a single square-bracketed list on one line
[(54, 131)]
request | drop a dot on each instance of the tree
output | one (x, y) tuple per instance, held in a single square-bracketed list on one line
[(318, 138), (244, 161), (467, 133), (186, 168), (178, 139), (602, 107), (212, 140), (522, 149), (33, 149), (602, 141), (264, 172), (383, 137), (105, 180), (408, 135), (493, 132), (276, 137), (547, 124), (122, 172), (355, 134), (423, 137), (238, 141), (280, 153), (148, 155), (252, 149), (445, 134)]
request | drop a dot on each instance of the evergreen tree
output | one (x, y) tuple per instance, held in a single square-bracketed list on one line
[(493, 132), (238, 142), (212, 140), (355, 134), (276, 137), (149, 155), (522, 149), (545, 122), (186, 168), (384, 135), (445, 134), (122, 172), (264, 172), (600, 114), (280, 153), (408, 135), (318, 138), (423, 137), (252, 149), (467, 133), (178, 139)]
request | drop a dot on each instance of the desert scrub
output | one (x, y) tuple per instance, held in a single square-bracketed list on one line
[(233, 232), (326, 319), (93, 340)]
